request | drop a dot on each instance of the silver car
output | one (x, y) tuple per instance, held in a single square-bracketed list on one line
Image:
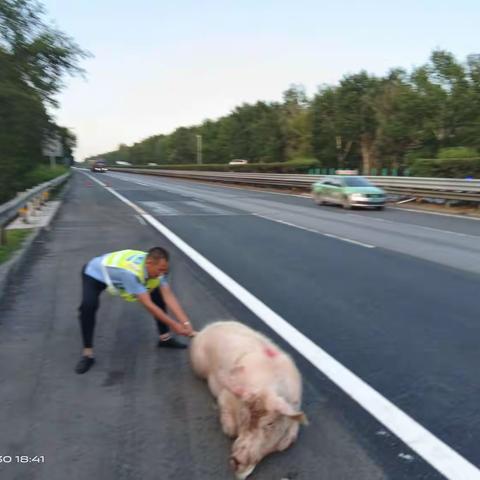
[(348, 191)]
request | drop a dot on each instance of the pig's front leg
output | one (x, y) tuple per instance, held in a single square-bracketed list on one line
[(226, 403), (214, 385)]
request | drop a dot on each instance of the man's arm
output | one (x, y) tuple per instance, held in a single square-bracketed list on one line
[(160, 315), (174, 306)]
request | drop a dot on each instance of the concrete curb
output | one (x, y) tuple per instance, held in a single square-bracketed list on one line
[(14, 264)]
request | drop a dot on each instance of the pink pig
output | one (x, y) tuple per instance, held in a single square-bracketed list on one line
[(258, 389)]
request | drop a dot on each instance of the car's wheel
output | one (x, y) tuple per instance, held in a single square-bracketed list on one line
[(318, 199), (346, 204), (380, 207)]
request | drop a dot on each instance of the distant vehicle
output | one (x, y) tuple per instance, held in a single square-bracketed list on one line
[(349, 192), (99, 166), (152, 164), (120, 162), (238, 161)]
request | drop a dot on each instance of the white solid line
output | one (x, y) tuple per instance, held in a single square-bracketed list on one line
[(330, 235), (437, 453), (463, 217)]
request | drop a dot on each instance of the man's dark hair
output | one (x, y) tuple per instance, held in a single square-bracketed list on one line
[(158, 253)]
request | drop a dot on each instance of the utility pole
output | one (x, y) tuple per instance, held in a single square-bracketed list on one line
[(199, 149)]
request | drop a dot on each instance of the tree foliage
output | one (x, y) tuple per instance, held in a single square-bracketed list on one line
[(365, 122), (34, 59)]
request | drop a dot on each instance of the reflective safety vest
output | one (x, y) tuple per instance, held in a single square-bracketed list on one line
[(132, 261)]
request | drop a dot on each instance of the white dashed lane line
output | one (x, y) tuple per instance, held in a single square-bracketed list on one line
[(311, 230)]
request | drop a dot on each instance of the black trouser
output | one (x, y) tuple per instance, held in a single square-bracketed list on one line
[(91, 290)]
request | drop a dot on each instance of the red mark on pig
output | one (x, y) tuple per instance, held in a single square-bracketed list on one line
[(270, 352)]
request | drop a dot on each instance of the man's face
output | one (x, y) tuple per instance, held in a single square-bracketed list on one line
[(156, 268)]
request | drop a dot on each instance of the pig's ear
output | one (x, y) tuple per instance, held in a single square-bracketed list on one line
[(300, 417), (278, 404)]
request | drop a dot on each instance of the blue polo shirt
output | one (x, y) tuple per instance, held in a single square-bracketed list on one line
[(121, 279)]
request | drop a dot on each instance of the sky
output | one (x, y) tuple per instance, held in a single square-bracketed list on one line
[(159, 65)]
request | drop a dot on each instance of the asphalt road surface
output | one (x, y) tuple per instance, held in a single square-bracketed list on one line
[(392, 295)]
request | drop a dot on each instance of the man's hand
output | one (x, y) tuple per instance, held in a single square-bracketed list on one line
[(174, 306), (181, 329), (188, 327), (184, 328)]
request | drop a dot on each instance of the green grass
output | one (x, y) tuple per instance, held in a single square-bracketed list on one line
[(14, 241), (43, 173)]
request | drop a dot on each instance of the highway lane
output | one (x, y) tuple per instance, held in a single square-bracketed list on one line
[(453, 242), (121, 420), (403, 315), (140, 413)]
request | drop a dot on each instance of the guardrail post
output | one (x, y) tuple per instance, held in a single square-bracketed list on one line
[(35, 206), (23, 213), (3, 235)]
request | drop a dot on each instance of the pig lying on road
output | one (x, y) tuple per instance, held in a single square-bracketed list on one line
[(257, 387)]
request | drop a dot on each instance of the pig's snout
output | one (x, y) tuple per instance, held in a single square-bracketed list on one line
[(234, 463), (242, 471)]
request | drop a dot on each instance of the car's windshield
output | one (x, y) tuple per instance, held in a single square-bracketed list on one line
[(357, 182)]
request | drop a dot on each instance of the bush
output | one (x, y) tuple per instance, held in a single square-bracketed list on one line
[(457, 152), (31, 178), (43, 173), (446, 168)]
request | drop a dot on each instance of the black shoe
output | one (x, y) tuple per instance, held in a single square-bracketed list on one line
[(170, 343), (84, 364)]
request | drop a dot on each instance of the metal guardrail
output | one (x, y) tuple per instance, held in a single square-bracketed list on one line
[(11, 209), (447, 188)]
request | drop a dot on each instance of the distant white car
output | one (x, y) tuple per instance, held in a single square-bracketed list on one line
[(238, 161)]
